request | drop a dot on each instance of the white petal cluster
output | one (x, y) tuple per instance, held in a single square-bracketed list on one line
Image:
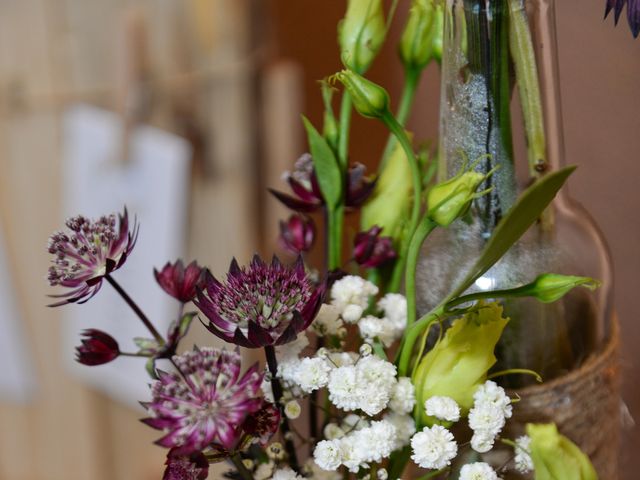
[(381, 328), (328, 321), (311, 374), (403, 397), (360, 447), (490, 410), (478, 471), (267, 391), (366, 386), (433, 447), (394, 306), (350, 295), (292, 409), (285, 474), (523, 461), (405, 428), (443, 408)]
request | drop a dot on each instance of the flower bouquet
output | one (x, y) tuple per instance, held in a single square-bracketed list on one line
[(358, 379)]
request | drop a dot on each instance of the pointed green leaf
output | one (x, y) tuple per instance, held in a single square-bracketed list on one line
[(326, 166), (515, 223)]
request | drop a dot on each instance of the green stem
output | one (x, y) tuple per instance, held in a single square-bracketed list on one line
[(402, 137), (422, 232), (433, 474), (411, 337), (411, 81), (242, 470), (334, 233), (521, 371), (345, 125)]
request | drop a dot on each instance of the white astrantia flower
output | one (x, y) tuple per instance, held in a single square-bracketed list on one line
[(311, 374), (328, 455), (381, 328), (403, 396), (491, 393), (482, 442), (433, 447), (286, 474), (405, 428), (443, 408), (394, 306), (343, 388), (292, 409), (328, 321), (332, 431), (351, 296), (478, 471), (523, 461)]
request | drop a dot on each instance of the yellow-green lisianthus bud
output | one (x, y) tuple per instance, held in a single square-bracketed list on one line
[(369, 99), (422, 37), (452, 198), (549, 287), (361, 34), (388, 206), (458, 363), (555, 457)]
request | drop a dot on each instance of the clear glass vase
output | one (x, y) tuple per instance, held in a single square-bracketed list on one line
[(497, 108)]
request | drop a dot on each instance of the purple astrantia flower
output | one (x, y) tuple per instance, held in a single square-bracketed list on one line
[(97, 348), (633, 13), (264, 423), (370, 250), (307, 195), (297, 234), (206, 403), (180, 282), (260, 305), (87, 252), (182, 467)]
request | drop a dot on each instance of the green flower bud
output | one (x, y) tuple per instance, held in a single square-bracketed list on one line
[(369, 99), (388, 206), (555, 457), (361, 34), (550, 287), (458, 364), (422, 37), (452, 198)]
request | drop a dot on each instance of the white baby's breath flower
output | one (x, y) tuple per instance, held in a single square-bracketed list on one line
[(287, 369), (381, 328), (482, 442), (311, 374), (290, 351), (292, 409), (350, 454), (328, 455), (343, 388), (354, 422), (376, 379), (405, 428), (403, 397), (267, 392), (523, 461), (351, 296), (486, 417), (478, 471), (433, 447), (491, 393), (375, 442), (443, 408), (382, 474), (352, 313), (286, 474), (332, 431), (328, 320), (341, 359), (394, 306)]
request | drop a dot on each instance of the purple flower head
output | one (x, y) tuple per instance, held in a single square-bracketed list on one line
[(264, 423), (307, 195), (206, 403), (97, 348), (633, 13), (262, 304), (87, 252), (297, 234), (180, 282), (370, 250), (182, 467)]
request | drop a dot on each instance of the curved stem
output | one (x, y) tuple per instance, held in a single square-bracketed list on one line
[(242, 470), (411, 337), (422, 232), (134, 306), (344, 125), (411, 81)]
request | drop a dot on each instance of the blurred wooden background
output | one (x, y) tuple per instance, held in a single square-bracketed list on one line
[(232, 76)]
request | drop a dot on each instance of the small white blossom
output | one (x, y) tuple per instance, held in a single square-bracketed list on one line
[(394, 306), (292, 409), (433, 447), (264, 471), (341, 359), (343, 388), (354, 422), (287, 369), (491, 393), (487, 418), (482, 442), (332, 431), (365, 350), (328, 455), (351, 296), (351, 455), (523, 461), (352, 313), (382, 474), (267, 391), (478, 471), (375, 442), (381, 328), (290, 351), (376, 379), (443, 408), (405, 428), (286, 474), (328, 320), (403, 397), (311, 374)]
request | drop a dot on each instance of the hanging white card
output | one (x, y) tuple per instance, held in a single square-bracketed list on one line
[(17, 377), (153, 184)]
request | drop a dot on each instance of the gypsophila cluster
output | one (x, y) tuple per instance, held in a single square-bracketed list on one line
[(523, 461), (405, 428), (403, 397), (329, 322), (350, 295), (490, 410), (478, 471), (433, 447), (443, 408)]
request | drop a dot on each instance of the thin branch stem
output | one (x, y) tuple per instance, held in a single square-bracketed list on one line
[(422, 232), (242, 470)]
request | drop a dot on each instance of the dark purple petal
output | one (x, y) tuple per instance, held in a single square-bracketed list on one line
[(370, 250), (294, 203), (97, 348), (633, 15), (182, 467), (179, 282), (258, 335)]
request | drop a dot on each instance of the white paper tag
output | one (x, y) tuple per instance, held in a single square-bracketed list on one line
[(153, 184), (17, 376)]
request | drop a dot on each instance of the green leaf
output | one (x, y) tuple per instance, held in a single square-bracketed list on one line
[(515, 223), (185, 323), (326, 166)]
